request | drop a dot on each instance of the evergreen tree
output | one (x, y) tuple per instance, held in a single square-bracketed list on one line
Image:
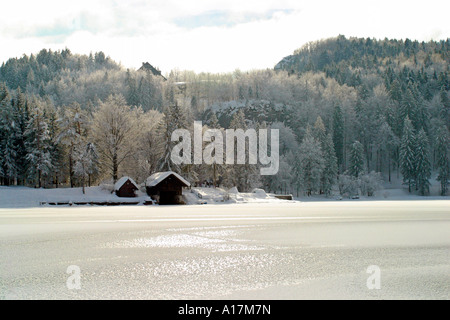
[(387, 144), (165, 129), (445, 111), (8, 137), (442, 154), (213, 122), (408, 107), (173, 118), (356, 160), (132, 91), (395, 91), (56, 148), (338, 135), (217, 169), (330, 170), (422, 163), (407, 154), (38, 146), (319, 130), (311, 163), (21, 119)]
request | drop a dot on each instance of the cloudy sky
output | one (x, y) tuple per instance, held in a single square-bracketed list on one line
[(208, 35)]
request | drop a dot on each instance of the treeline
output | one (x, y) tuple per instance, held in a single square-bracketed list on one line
[(351, 113)]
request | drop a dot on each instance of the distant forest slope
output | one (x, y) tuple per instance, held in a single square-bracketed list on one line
[(347, 60), (66, 78)]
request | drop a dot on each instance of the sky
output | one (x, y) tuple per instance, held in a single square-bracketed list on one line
[(208, 35)]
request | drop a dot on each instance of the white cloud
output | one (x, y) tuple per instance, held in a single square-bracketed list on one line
[(136, 31)]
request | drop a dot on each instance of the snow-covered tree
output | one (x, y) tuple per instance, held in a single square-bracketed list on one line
[(370, 183), (338, 135), (387, 142), (311, 163), (214, 171), (330, 170), (38, 146), (243, 176), (56, 148), (356, 159), (115, 131), (442, 154), (282, 181), (422, 163), (348, 185), (21, 119), (9, 135), (86, 163), (173, 118), (407, 154), (72, 130)]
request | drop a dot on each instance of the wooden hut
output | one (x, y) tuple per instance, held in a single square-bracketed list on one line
[(126, 187), (166, 187)]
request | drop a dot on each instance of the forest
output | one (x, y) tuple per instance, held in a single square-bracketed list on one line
[(352, 114)]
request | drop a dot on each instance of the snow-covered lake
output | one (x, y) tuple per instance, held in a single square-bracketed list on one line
[(283, 250)]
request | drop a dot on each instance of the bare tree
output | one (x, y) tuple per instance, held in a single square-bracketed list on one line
[(116, 131)]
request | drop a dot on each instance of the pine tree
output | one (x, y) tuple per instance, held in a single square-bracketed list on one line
[(387, 143), (395, 91), (338, 135), (56, 148), (408, 107), (422, 163), (8, 136), (213, 122), (217, 169), (319, 130), (442, 154), (330, 170), (407, 154), (173, 118), (165, 129), (356, 160), (38, 146), (21, 119), (445, 111), (311, 163), (132, 91)]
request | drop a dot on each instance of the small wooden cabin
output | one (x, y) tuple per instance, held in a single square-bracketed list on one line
[(166, 187), (126, 187)]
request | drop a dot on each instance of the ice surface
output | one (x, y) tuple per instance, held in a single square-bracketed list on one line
[(283, 250)]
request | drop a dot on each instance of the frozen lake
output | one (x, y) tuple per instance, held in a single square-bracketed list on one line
[(313, 250)]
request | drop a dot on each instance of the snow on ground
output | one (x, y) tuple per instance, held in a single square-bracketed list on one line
[(200, 195), (24, 197)]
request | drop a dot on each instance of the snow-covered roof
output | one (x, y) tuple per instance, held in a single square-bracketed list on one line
[(157, 177), (121, 182)]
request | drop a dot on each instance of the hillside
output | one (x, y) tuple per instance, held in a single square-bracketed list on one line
[(66, 78)]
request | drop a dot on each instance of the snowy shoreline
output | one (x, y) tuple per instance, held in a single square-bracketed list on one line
[(25, 197)]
